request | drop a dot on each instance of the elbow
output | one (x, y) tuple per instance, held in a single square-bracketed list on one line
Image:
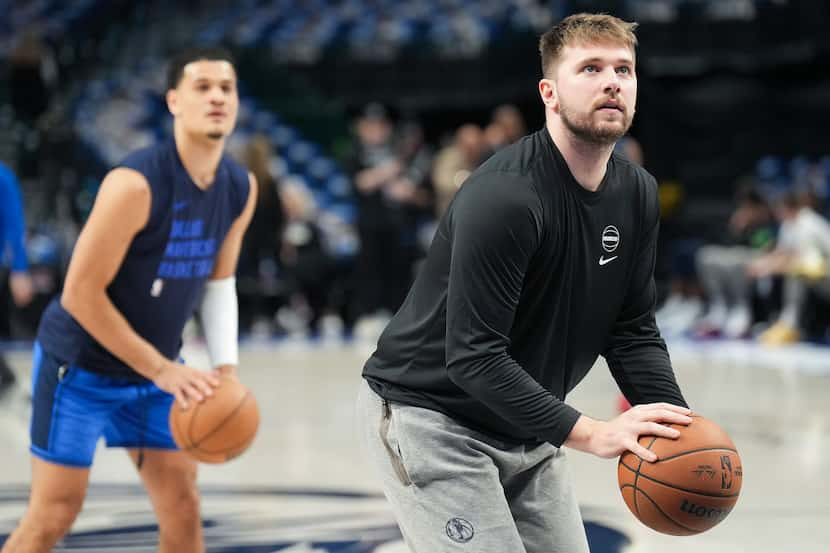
[(76, 299)]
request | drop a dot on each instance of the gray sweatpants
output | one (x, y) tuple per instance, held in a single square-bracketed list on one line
[(454, 489)]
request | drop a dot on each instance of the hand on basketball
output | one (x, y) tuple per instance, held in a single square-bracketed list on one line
[(186, 383), (612, 438)]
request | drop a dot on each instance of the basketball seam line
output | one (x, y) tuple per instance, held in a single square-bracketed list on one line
[(221, 424), (230, 448), (190, 423), (637, 475), (673, 486), (662, 512), (675, 456)]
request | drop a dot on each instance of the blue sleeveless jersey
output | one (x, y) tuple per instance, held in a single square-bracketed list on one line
[(160, 281)]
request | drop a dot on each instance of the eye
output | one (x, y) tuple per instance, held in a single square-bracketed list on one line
[(202, 87), (590, 69), (625, 70)]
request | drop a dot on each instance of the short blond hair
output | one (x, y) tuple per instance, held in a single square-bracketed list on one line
[(584, 28)]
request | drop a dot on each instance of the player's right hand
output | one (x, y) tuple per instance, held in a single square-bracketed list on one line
[(612, 438), (185, 383)]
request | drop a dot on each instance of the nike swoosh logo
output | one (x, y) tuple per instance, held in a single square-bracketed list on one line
[(603, 261), (178, 206)]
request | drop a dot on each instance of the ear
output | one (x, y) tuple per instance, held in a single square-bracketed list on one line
[(547, 91), (172, 101)]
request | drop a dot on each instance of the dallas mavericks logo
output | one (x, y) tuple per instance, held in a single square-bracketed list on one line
[(460, 530), (610, 238)]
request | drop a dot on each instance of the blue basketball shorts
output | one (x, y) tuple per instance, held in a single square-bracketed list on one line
[(72, 408)]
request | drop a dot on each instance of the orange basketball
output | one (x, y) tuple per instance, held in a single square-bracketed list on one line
[(219, 428), (694, 484)]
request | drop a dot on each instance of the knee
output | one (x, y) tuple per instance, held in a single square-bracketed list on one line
[(181, 509), (55, 518)]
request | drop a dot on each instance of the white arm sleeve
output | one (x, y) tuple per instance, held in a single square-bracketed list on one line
[(220, 321)]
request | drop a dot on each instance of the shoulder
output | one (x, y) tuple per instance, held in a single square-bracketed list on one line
[(6, 175), (497, 199), (519, 157), (126, 182), (149, 159), (499, 188), (638, 182), (633, 173)]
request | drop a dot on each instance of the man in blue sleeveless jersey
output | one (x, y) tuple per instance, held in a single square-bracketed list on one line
[(165, 233)]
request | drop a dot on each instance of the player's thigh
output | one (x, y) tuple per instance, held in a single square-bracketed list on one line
[(444, 490), (545, 506), (70, 408), (57, 491), (170, 478)]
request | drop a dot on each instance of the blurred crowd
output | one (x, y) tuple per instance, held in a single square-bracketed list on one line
[(291, 281), (765, 276), (759, 271)]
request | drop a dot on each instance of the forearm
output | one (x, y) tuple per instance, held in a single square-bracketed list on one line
[(509, 391), (580, 435), (220, 321), (96, 313), (642, 368)]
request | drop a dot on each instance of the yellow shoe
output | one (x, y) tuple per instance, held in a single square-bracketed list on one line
[(779, 334)]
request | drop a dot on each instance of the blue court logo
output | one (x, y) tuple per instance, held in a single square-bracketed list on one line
[(118, 518), (460, 530)]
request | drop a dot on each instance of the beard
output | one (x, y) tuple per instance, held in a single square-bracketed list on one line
[(587, 128)]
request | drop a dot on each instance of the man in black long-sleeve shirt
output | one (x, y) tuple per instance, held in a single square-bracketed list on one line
[(543, 261)]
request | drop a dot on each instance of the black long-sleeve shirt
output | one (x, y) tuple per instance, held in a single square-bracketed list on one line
[(529, 278)]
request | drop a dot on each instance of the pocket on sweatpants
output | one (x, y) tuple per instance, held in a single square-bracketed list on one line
[(389, 438)]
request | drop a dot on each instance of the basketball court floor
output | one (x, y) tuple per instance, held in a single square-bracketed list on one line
[(304, 487)]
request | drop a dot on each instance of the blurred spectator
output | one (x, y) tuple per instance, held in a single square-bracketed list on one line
[(506, 127), (384, 263), (455, 162), (413, 186), (510, 119), (308, 268), (801, 257), (722, 269), (19, 289), (258, 265), (32, 72), (630, 148)]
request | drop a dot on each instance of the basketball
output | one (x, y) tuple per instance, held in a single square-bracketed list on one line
[(219, 428), (694, 484)]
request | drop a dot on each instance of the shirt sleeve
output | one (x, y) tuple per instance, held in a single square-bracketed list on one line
[(635, 352), (13, 223), (496, 227)]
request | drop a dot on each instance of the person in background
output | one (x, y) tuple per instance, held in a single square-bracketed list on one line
[(15, 280), (722, 268), (802, 257)]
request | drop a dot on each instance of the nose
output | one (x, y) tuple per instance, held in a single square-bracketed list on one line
[(612, 82), (216, 96)]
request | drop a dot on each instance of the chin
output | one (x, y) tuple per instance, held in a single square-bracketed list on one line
[(215, 135)]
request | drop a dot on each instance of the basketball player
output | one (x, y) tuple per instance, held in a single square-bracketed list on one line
[(167, 225), (543, 261)]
